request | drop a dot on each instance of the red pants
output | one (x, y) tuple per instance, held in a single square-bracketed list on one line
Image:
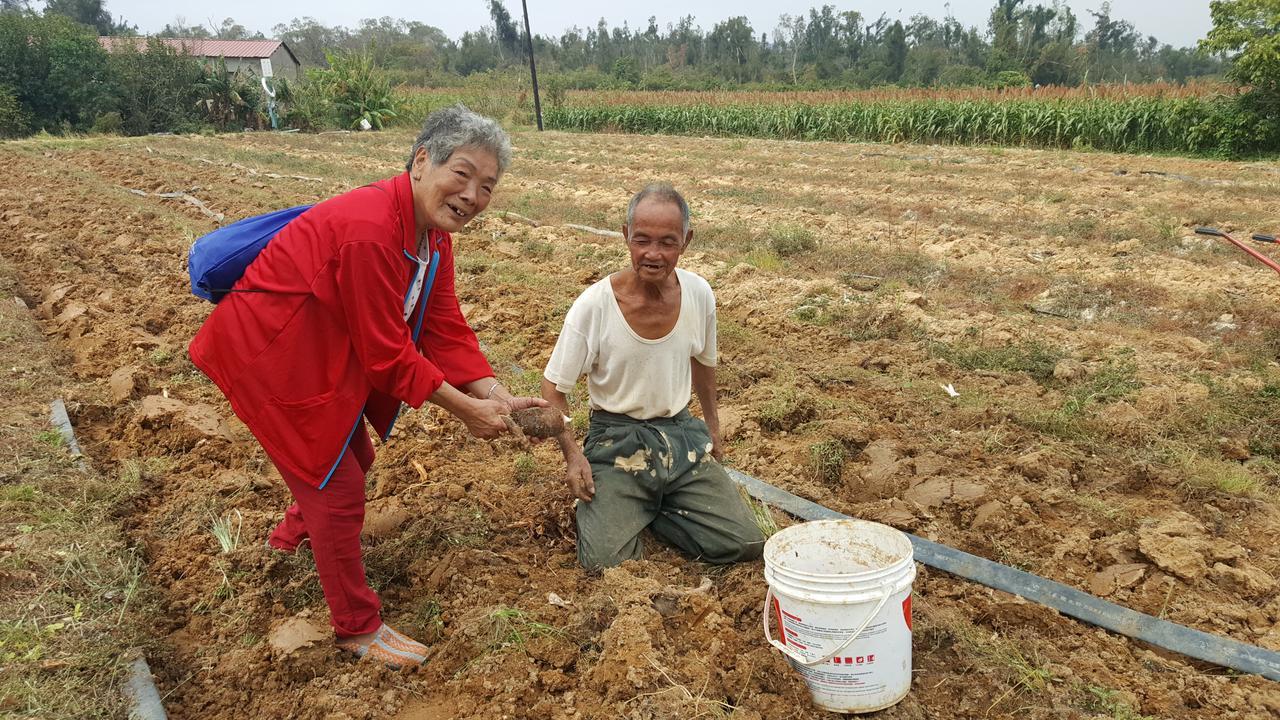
[(332, 518)]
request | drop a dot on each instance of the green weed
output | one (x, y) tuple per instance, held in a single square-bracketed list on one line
[(512, 627), (1074, 230), (52, 438), (913, 268), (1104, 700), (227, 531), (787, 409), (1167, 229), (1031, 357), (789, 240), (17, 494), (537, 250), (827, 459), (1096, 506), (817, 310), (1026, 672), (765, 260), (1201, 473), (524, 467), (429, 620), (471, 531), (133, 471), (760, 512), (1112, 382), (867, 322), (730, 332)]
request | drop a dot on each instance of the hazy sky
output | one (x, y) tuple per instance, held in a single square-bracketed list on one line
[(1178, 22)]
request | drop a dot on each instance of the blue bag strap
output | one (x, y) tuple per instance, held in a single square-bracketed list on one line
[(274, 222), (417, 328)]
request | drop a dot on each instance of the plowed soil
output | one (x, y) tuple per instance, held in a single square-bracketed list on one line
[(1117, 426)]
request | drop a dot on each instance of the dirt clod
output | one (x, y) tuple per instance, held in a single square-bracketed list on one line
[(293, 634)]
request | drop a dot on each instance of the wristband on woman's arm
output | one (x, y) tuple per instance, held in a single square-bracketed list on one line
[(494, 386)]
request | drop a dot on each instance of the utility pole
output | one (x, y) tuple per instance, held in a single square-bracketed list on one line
[(533, 69)]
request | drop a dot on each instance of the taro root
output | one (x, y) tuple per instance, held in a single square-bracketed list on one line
[(539, 422)]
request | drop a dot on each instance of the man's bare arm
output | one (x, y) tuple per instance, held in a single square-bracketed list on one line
[(577, 469)]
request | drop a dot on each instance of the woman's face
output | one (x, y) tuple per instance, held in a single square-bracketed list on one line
[(448, 195)]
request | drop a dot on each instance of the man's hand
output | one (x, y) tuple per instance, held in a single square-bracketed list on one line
[(521, 403), (577, 473), (717, 446), (578, 477)]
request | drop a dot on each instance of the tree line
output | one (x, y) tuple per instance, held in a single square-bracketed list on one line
[(825, 47), (1022, 43)]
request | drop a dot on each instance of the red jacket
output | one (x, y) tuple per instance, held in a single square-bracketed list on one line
[(320, 336)]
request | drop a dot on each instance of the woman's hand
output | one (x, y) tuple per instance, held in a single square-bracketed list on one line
[(578, 477), (521, 403), (485, 419)]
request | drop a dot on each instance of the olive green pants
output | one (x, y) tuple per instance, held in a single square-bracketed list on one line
[(660, 474)]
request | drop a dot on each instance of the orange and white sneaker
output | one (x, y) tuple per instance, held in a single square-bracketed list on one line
[(389, 648)]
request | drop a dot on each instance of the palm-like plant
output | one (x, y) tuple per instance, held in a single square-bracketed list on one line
[(229, 98), (361, 92)]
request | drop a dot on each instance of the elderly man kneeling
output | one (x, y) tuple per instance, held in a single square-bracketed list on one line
[(642, 336)]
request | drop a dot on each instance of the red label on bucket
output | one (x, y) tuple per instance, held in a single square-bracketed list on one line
[(859, 660), (906, 610)]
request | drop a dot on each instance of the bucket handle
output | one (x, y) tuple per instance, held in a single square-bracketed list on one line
[(886, 591)]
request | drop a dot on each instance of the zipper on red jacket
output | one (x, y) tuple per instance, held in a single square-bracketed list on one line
[(432, 266), (345, 445), (421, 315)]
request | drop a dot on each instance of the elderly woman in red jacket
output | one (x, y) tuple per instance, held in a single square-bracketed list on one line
[(347, 313)]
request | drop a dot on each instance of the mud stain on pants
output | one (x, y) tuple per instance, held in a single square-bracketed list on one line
[(637, 461)]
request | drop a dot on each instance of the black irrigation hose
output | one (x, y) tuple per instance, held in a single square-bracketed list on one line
[(140, 687), (1066, 600)]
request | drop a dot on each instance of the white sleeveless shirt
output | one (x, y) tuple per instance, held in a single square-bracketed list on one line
[(628, 374)]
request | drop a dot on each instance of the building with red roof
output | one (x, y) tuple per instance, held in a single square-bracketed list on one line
[(263, 58)]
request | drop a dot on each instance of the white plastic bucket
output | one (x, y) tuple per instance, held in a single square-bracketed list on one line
[(840, 593)]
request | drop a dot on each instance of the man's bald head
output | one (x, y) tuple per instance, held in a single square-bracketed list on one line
[(660, 192)]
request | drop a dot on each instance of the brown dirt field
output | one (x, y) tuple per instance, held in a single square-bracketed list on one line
[(1117, 429)]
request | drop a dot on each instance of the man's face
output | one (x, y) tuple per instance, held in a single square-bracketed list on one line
[(655, 239), (448, 195)]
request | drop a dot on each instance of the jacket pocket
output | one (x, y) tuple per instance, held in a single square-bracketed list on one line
[(305, 403)]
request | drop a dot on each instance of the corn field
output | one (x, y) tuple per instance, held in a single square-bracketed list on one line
[(1199, 88), (1138, 124)]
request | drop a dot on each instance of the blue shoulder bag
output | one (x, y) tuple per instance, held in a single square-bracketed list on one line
[(217, 260)]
